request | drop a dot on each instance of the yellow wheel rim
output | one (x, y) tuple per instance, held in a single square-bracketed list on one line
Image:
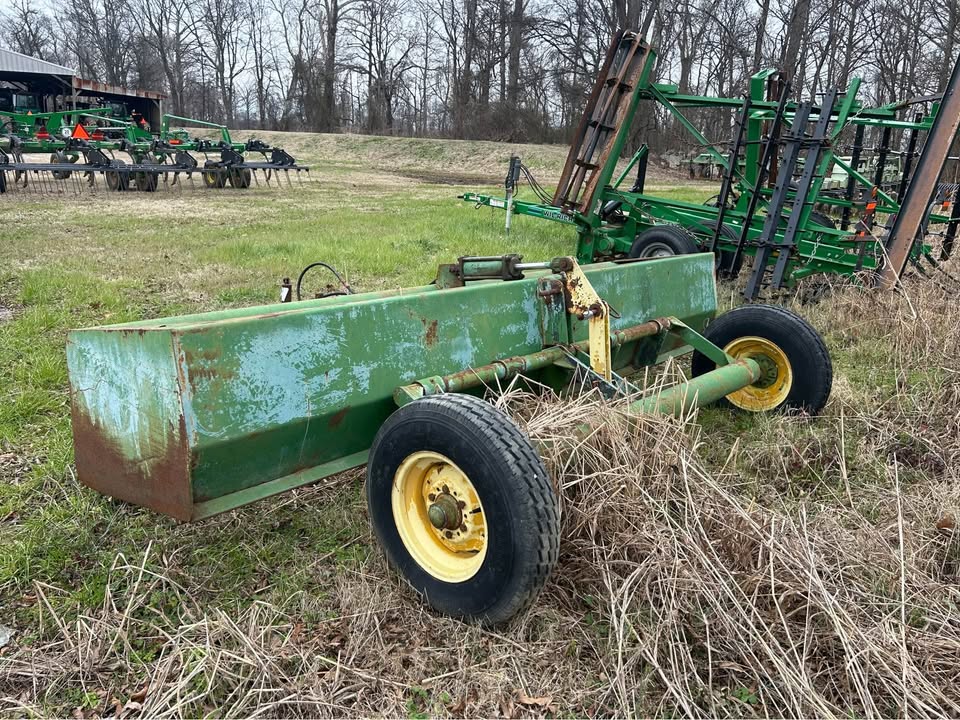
[(776, 374), (439, 516)]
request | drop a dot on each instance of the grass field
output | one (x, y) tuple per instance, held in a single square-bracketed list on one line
[(767, 566)]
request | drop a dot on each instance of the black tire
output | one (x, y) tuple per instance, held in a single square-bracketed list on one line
[(3, 182), (60, 158), (519, 504), (723, 257), (116, 181), (822, 219), (663, 241), (805, 351), (214, 178), (240, 178), (147, 181)]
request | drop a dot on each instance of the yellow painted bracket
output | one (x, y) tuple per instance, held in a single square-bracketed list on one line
[(586, 304)]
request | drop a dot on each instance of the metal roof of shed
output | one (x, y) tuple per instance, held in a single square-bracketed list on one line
[(44, 76), (11, 61)]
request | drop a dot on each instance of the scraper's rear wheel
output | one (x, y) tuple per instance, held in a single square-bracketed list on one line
[(795, 366), (463, 507)]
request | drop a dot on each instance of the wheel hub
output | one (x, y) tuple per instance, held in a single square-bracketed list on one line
[(776, 374), (444, 512), (768, 371), (439, 516)]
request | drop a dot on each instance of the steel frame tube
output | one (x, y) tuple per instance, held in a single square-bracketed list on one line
[(700, 391)]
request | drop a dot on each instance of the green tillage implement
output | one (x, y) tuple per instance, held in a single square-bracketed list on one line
[(164, 155), (610, 219), (58, 124), (196, 415)]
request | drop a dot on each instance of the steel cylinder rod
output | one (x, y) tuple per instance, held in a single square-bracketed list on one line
[(674, 400), (510, 367)]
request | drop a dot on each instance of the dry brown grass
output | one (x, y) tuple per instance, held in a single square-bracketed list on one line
[(804, 567)]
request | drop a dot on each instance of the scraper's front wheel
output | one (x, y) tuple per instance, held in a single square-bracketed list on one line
[(463, 507)]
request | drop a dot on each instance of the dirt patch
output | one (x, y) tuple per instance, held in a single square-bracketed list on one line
[(6, 314)]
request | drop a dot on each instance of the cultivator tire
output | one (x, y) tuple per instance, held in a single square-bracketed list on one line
[(147, 181), (116, 181), (796, 370), (240, 178), (214, 179), (724, 258), (823, 219), (59, 157), (663, 241), (463, 507)]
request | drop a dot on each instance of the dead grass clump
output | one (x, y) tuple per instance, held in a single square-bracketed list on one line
[(782, 609)]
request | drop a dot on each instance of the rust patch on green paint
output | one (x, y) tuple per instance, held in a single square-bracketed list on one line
[(160, 483), (209, 374), (431, 338), (209, 354), (338, 417)]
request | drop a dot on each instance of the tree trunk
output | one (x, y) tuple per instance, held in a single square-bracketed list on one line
[(796, 33), (761, 33), (950, 32), (328, 120), (516, 43)]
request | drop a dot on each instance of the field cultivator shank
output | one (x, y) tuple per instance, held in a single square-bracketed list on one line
[(196, 415), (781, 180)]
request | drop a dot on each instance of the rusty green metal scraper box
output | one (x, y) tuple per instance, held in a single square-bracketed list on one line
[(194, 415)]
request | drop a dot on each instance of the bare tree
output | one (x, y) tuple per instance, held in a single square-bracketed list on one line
[(384, 46), (31, 31), (796, 33), (517, 37), (335, 12), (220, 32), (100, 34), (302, 31), (261, 39), (505, 69), (167, 28)]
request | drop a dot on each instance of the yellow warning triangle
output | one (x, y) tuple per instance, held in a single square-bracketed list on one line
[(80, 132)]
